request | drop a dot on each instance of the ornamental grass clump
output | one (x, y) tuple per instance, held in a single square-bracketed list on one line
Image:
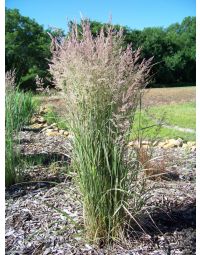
[(102, 82), (19, 107)]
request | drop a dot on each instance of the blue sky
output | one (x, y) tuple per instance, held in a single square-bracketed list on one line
[(135, 14)]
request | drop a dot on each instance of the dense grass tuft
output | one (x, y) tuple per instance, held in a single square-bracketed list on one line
[(102, 83), (19, 107)]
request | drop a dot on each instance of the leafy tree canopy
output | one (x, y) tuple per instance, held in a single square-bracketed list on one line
[(27, 48), (173, 48)]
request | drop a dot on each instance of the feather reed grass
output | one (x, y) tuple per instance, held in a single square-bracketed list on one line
[(102, 82)]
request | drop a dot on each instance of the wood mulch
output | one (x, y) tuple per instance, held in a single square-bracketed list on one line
[(44, 215)]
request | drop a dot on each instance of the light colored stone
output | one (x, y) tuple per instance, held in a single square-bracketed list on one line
[(33, 120), (134, 144), (185, 145), (37, 119), (41, 120), (177, 143), (172, 143), (145, 146), (168, 146), (36, 126), (53, 125), (62, 131), (47, 130), (52, 133), (191, 143), (162, 144), (70, 137), (66, 133), (43, 110), (146, 143), (180, 141), (155, 143), (131, 144)]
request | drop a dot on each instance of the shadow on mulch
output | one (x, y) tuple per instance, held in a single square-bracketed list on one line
[(46, 158), (165, 221), (21, 189), (41, 174)]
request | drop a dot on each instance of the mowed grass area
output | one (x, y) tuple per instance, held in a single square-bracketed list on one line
[(180, 115)]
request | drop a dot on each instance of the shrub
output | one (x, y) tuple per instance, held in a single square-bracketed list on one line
[(102, 83), (19, 107)]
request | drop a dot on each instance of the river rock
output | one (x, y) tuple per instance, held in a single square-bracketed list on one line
[(162, 144), (61, 131), (41, 120), (66, 133), (191, 143), (172, 143), (52, 133), (37, 126), (43, 110), (53, 125)]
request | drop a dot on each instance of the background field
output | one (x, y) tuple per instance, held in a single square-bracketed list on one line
[(176, 105), (163, 96)]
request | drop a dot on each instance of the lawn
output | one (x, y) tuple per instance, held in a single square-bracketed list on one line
[(180, 115)]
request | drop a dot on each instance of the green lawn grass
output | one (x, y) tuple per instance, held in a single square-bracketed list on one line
[(181, 115)]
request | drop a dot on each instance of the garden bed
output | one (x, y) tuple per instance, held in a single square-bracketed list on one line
[(44, 214)]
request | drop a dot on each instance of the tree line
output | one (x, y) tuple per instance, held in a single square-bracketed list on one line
[(27, 49)]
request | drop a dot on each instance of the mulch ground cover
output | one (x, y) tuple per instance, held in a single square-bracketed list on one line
[(44, 213)]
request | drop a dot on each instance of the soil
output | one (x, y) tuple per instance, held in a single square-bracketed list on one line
[(161, 96)]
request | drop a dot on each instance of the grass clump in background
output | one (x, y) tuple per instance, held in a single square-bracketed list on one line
[(19, 107), (102, 83)]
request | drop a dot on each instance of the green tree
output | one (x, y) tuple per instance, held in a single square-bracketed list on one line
[(173, 48), (182, 60), (152, 42), (27, 48)]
